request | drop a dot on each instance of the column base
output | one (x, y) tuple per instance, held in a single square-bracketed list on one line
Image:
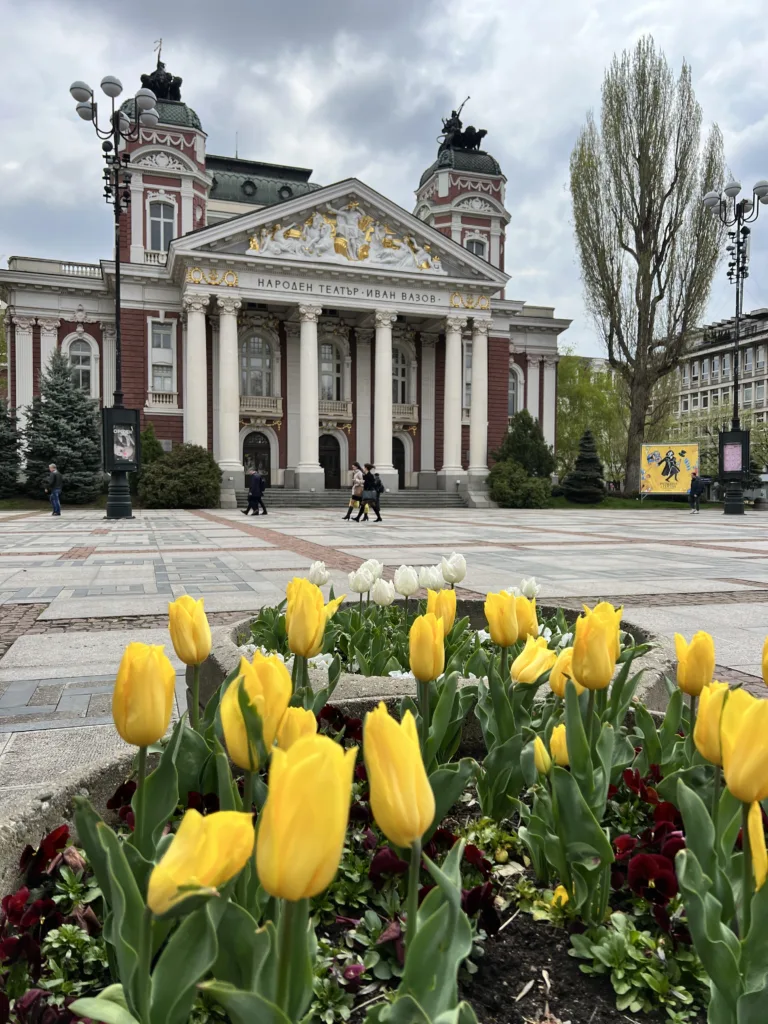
[(447, 479), (232, 480), (427, 480), (289, 479), (309, 478), (389, 478), (477, 479), (477, 489)]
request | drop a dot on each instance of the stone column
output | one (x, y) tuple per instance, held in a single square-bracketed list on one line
[(452, 470), (382, 399), (49, 333), (195, 372), (363, 339), (291, 409), (427, 474), (23, 362), (137, 217), (478, 413), (232, 476), (309, 473), (532, 386), (108, 363), (550, 400), (214, 322)]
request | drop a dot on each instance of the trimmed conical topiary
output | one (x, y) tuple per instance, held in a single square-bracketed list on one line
[(585, 484)]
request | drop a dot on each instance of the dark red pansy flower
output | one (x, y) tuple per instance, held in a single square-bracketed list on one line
[(353, 975), (473, 899), (34, 914), (673, 845), (34, 862), (333, 716), (386, 862), (624, 846), (21, 947), (370, 841), (13, 905), (360, 812), (361, 773), (612, 791), (618, 878), (654, 773), (665, 811), (122, 795), (390, 933), (662, 918), (475, 856), (354, 729), (653, 877), (348, 922), (126, 815)]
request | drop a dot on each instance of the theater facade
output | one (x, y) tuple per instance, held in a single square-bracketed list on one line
[(294, 328)]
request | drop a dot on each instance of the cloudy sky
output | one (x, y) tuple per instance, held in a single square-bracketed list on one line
[(356, 88)]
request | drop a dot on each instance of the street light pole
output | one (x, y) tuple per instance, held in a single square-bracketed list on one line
[(736, 215), (117, 193)]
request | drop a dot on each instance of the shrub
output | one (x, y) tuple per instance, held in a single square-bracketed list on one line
[(151, 451), (186, 477), (9, 452), (585, 484), (511, 487), (524, 443)]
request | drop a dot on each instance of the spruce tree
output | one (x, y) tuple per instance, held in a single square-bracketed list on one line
[(524, 444), (64, 427), (584, 484), (9, 452)]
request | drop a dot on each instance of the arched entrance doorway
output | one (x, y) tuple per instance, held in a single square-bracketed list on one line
[(257, 456), (398, 461), (330, 460)]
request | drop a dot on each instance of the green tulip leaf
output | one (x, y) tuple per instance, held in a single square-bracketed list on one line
[(651, 741), (448, 783), (441, 715), (226, 790), (86, 823), (579, 753), (191, 758), (582, 836), (244, 1007), (128, 918), (404, 1010), (243, 950), (500, 781), (161, 795), (699, 830), (187, 958), (102, 1010)]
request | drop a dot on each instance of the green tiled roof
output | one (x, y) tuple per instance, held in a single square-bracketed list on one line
[(472, 161), (252, 181), (171, 112)]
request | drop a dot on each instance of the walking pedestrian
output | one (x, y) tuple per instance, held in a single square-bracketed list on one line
[(378, 486), (356, 497), (695, 493), (53, 488), (255, 494), (370, 495)]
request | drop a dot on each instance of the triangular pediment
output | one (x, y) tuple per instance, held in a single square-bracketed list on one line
[(346, 226)]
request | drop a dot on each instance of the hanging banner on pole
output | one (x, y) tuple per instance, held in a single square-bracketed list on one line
[(667, 468)]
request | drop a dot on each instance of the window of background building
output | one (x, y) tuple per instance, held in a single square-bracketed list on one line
[(695, 371), (694, 401), (705, 400), (747, 358), (161, 224), (330, 373), (514, 398), (747, 395), (467, 390), (726, 364), (760, 357), (162, 358), (476, 247), (685, 404), (715, 365), (685, 373), (255, 366), (725, 395), (715, 398), (760, 391), (399, 376), (80, 361), (705, 369)]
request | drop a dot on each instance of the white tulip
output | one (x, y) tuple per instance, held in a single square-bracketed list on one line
[(318, 574), (360, 581), (454, 569), (383, 592), (374, 567), (406, 580), (529, 588), (431, 577)]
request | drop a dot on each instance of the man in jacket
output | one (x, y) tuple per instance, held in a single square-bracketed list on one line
[(255, 494), (695, 493), (53, 488)]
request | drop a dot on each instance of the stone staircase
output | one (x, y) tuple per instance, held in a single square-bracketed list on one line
[(278, 497)]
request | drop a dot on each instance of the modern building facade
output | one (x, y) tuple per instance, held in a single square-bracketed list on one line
[(295, 328)]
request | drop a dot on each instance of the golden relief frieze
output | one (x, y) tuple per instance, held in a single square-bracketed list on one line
[(459, 301), (199, 275)]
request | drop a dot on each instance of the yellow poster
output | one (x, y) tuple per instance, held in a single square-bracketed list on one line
[(667, 468)]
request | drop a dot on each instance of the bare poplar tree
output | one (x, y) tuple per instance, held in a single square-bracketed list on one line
[(648, 248)]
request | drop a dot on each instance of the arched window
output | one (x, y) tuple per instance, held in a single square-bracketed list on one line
[(330, 373), (477, 247), (255, 366), (161, 225), (80, 361), (514, 396), (399, 376)]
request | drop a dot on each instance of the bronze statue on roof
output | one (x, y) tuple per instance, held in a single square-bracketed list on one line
[(453, 137)]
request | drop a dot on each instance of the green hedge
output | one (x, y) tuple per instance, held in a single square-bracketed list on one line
[(511, 487), (186, 477)]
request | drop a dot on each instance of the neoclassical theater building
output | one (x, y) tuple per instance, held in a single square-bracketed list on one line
[(294, 327)]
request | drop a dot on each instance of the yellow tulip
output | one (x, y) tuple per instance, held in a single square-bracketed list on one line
[(527, 623), (295, 723), (501, 613), (268, 688), (612, 617), (143, 696), (706, 732), (306, 615), (562, 672), (757, 844), (402, 800), (205, 853), (765, 661), (304, 820), (560, 896), (594, 650), (695, 662), (541, 757), (744, 735), (558, 746), (533, 661), (442, 603), (427, 647), (189, 629)]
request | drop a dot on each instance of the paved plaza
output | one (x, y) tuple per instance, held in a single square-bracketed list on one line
[(75, 590)]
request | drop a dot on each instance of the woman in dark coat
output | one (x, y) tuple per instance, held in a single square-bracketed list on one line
[(370, 495)]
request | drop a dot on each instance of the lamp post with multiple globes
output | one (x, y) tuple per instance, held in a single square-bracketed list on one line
[(121, 440)]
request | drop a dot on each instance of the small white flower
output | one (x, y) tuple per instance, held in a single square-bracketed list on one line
[(383, 592), (454, 568), (431, 577), (406, 580), (483, 635), (360, 581), (530, 588), (566, 640), (514, 590), (374, 567), (398, 674), (545, 631), (318, 574)]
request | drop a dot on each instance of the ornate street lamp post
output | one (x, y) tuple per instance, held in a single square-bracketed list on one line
[(121, 426), (736, 215)]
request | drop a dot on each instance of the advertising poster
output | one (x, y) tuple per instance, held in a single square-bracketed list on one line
[(667, 468)]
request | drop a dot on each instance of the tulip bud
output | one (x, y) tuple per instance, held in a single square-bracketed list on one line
[(318, 574), (560, 896), (541, 757), (295, 723), (442, 603), (206, 853), (500, 611), (454, 568), (527, 623), (189, 629), (558, 746), (562, 672), (595, 647), (530, 588), (406, 580), (427, 647), (695, 662), (304, 820), (383, 593), (306, 615), (431, 577), (268, 689), (143, 696), (374, 567), (534, 660), (402, 800), (757, 844), (612, 618), (361, 580), (706, 732), (743, 729)]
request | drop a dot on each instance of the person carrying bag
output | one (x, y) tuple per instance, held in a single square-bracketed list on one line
[(370, 496), (357, 489)]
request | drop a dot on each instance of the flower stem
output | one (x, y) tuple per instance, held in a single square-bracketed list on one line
[(746, 873), (305, 674), (138, 826), (504, 666), (288, 917), (590, 717), (694, 702), (424, 711), (295, 672), (406, 615), (412, 905), (248, 792), (194, 711), (145, 965)]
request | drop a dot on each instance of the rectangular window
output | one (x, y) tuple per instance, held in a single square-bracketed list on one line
[(695, 371), (685, 404), (704, 369), (715, 398), (726, 364), (747, 358), (760, 357), (725, 394), (694, 401), (162, 357), (685, 373), (747, 395), (760, 390), (715, 366), (705, 400)]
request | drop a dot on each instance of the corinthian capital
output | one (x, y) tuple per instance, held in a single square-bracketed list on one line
[(310, 314), (195, 303), (24, 323), (480, 327), (455, 323), (108, 330), (228, 305), (48, 325), (385, 317), (534, 360)]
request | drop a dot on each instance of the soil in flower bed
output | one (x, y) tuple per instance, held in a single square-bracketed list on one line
[(519, 954)]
